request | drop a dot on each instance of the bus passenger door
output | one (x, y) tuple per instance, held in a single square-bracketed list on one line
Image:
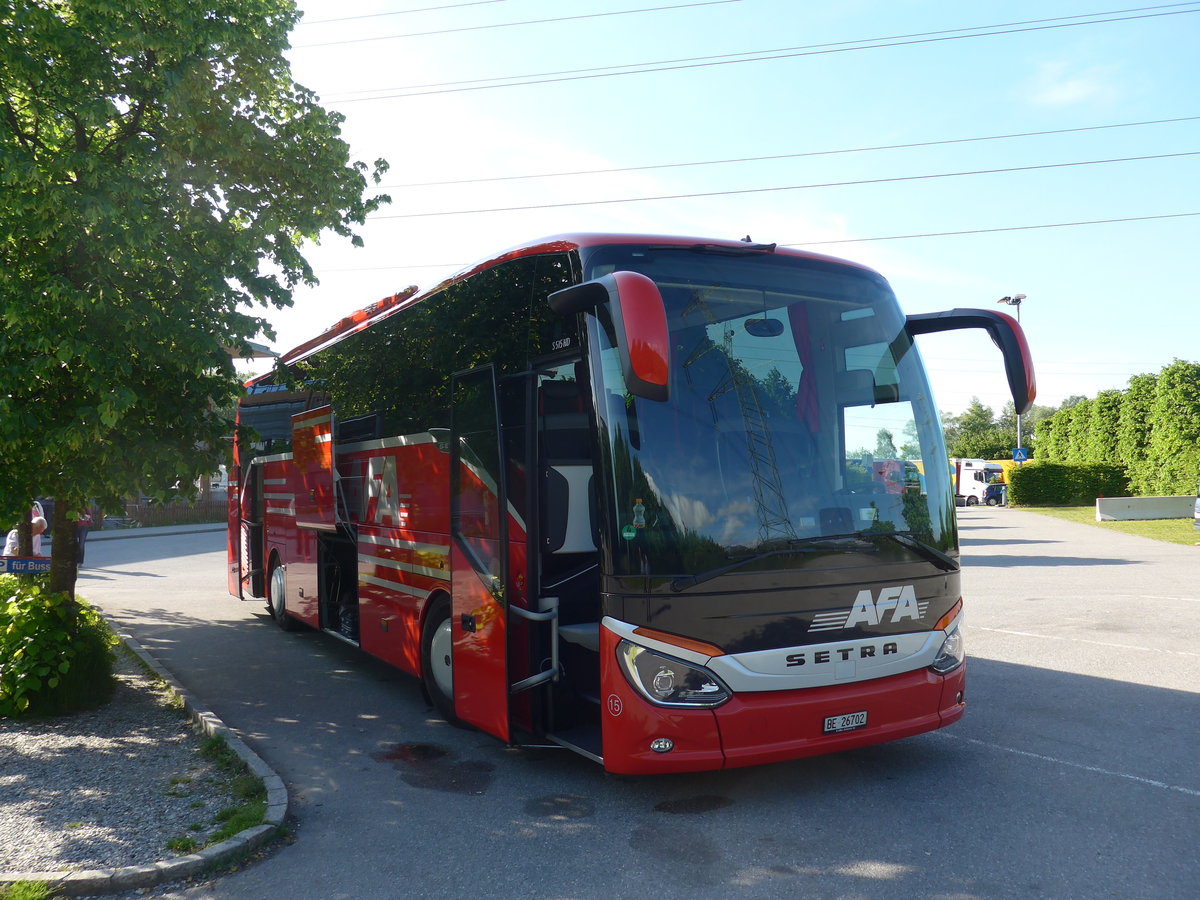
[(312, 455), (568, 570), (249, 500), (478, 553)]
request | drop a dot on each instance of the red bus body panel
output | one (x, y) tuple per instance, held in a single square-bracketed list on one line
[(392, 592), (480, 651), (756, 728), (777, 726), (629, 723)]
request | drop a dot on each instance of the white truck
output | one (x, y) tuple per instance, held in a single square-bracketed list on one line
[(971, 478)]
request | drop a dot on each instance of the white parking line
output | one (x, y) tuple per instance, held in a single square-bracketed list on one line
[(1150, 782), (1056, 637)]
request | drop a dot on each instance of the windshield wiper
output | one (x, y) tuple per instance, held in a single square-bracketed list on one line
[(797, 545), (745, 249), (856, 539), (918, 546)]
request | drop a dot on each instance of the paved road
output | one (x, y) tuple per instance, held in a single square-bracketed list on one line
[(1073, 774)]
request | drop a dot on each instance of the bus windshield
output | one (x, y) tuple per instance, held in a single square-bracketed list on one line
[(799, 410)]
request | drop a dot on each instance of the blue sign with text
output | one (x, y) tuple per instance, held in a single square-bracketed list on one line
[(24, 565)]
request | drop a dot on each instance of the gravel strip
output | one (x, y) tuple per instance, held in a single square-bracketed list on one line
[(107, 788)]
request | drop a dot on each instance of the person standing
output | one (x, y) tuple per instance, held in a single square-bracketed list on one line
[(82, 526), (37, 525)]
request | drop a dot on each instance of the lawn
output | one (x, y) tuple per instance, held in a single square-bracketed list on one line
[(1177, 531)]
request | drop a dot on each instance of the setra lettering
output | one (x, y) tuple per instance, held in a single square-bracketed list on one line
[(819, 657)]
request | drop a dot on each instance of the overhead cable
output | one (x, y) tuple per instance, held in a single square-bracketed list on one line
[(930, 234), (791, 187), (398, 12), (764, 55), (778, 156), (600, 15), (891, 237)]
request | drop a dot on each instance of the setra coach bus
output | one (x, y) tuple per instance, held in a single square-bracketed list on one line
[(617, 493)]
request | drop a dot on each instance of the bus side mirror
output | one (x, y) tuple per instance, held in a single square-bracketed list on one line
[(639, 320), (1005, 332)]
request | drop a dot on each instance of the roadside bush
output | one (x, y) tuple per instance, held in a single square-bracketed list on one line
[(1065, 484), (56, 654)]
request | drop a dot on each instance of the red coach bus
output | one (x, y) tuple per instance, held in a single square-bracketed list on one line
[(616, 493)]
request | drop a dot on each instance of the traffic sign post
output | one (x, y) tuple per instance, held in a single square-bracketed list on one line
[(1020, 455)]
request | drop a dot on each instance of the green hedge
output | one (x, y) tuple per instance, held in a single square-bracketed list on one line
[(1065, 484), (56, 654)]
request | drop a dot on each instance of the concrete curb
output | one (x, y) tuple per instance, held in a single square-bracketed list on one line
[(112, 881), (112, 534)]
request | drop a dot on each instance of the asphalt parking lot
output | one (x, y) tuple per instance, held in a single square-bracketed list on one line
[(1072, 775)]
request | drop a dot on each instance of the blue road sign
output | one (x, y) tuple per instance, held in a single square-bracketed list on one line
[(1020, 454), (23, 565)]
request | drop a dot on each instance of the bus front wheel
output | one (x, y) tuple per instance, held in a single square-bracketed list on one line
[(437, 662), (276, 592)]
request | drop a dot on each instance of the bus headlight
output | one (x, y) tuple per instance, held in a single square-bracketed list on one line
[(952, 654), (666, 681)]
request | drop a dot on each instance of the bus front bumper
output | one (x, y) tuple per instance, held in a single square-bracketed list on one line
[(772, 726)]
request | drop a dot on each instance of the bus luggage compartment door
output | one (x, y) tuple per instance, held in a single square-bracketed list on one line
[(478, 554)]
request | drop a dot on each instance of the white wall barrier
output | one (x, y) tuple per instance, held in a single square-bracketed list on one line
[(1112, 509)]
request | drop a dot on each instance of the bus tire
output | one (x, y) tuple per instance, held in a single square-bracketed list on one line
[(276, 592), (437, 660), (972, 501)]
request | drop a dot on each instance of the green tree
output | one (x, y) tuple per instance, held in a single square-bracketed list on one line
[(977, 435), (976, 418), (1104, 427), (1030, 420), (1133, 432), (1078, 421), (1051, 438), (991, 443), (1175, 429), (161, 171), (885, 445)]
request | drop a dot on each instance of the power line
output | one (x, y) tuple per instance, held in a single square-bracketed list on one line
[(793, 187), (894, 237), (745, 159), (903, 237), (765, 55), (601, 15), (399, 12)]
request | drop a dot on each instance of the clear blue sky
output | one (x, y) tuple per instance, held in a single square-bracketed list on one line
[(794, 80)]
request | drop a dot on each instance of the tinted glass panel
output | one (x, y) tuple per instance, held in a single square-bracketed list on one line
[(798, 409)]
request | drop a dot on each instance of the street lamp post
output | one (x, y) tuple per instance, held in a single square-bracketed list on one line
[(1015, 300)]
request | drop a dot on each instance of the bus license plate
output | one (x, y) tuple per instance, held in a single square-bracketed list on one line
[(846, 722)]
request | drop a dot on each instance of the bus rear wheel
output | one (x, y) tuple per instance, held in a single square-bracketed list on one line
[(437, 661), (276, 592)]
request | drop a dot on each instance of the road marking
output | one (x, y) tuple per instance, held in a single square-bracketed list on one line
[(1055, 637), (1150, 782)]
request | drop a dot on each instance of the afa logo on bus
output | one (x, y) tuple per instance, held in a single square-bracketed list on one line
[(894, 604)]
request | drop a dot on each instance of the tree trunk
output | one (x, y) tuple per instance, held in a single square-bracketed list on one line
[(64, 549), (24, 537)]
